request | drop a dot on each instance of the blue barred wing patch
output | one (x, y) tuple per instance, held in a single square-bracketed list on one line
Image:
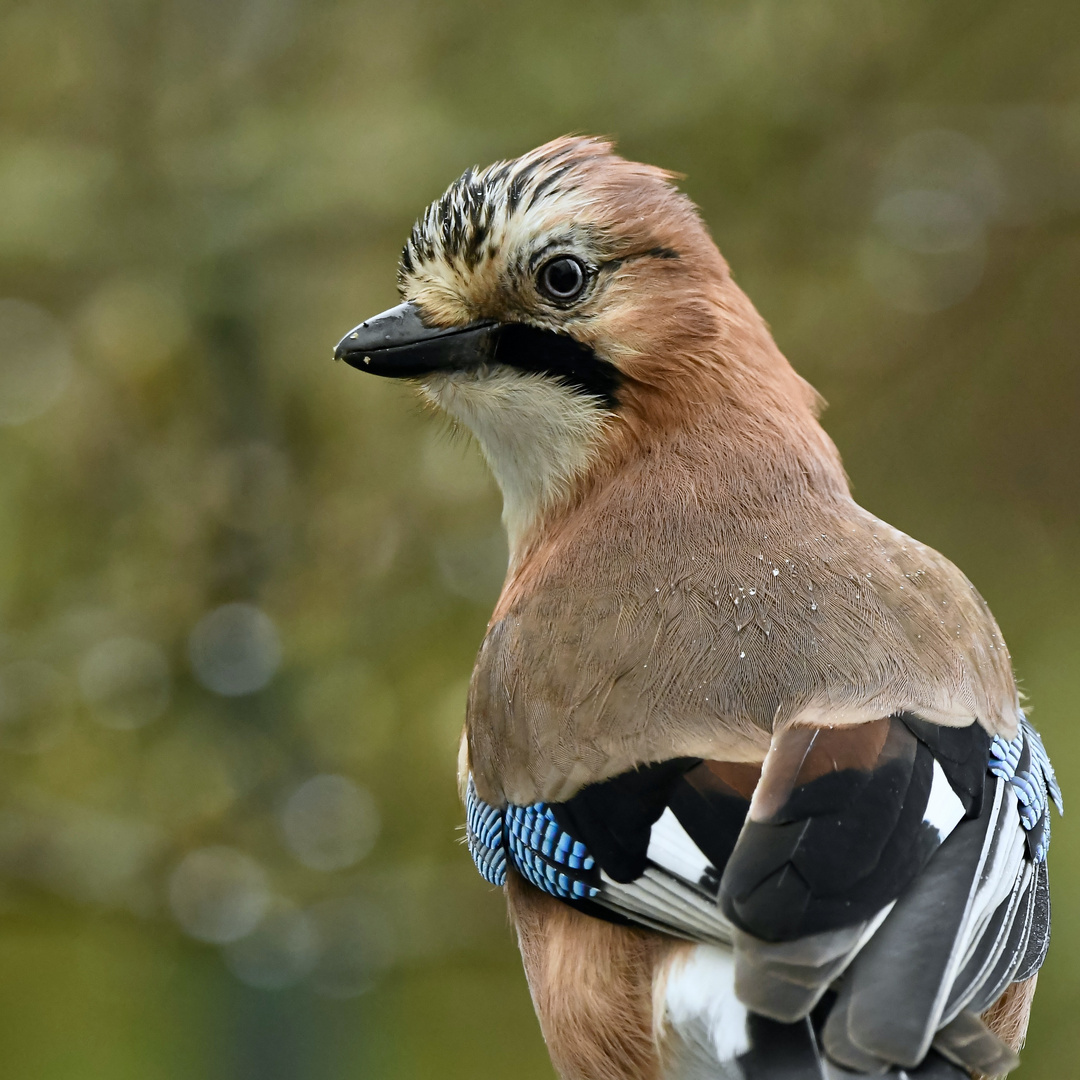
[(1024, 763), (547, 856), (485, 833), (540, 849)]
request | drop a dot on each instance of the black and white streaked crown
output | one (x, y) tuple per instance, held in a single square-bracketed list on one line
[(467, 222)]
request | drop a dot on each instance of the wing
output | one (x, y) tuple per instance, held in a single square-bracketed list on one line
[(646, 847), (886, 879)]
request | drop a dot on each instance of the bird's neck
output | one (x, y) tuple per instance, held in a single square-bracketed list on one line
[(748, 441), (539, 438)]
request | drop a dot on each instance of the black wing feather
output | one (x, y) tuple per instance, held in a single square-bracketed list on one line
[(841, 846), (614, 818)]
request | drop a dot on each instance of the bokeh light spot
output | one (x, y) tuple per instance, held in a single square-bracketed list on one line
[(330, 822), (917, 282), (938, 159), (355, 946), (35, 361), (234, 649), (928, 221), (218, 894), (35, 706), (937, 191), (278, 953), (125, 681)]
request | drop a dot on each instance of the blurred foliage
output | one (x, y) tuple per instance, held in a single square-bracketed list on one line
[(241, 587)]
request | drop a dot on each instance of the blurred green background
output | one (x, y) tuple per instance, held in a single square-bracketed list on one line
[(241, 587)]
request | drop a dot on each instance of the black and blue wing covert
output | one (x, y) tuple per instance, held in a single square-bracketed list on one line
[(647, 846), (888, 879)]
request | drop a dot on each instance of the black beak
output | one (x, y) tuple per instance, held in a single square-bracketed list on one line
[(399, 344)]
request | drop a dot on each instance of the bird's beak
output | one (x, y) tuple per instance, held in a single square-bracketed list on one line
[(399, 344)]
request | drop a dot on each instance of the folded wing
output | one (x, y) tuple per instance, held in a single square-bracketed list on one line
[(884, 882)]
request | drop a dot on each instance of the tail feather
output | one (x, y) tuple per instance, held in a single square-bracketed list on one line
[(967, 1041)]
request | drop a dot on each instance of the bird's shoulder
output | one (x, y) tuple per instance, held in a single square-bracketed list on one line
[(689, 628)]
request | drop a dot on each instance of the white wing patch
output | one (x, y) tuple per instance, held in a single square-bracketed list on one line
[(944, 810), (672, 850), (660, 900)]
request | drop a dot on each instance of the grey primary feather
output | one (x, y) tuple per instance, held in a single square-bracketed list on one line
[(781, 1051), (999, 951), (934, 1067), (785, 980), (1039, 936), (968, 1042), (894, 996)]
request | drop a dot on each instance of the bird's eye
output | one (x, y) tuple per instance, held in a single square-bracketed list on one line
[(562, 279)]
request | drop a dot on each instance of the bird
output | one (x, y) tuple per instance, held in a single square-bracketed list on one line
[(749, 763)]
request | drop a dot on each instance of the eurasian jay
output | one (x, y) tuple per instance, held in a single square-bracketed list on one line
[(749, 762)]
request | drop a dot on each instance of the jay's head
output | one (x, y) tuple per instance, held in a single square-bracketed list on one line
[(567, 307)]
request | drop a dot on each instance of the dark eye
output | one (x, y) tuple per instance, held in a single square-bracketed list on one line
[(562, 278)]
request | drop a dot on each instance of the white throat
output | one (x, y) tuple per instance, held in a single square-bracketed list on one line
[(537, 435)]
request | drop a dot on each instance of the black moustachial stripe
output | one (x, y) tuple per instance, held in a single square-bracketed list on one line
[(545, 352)]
